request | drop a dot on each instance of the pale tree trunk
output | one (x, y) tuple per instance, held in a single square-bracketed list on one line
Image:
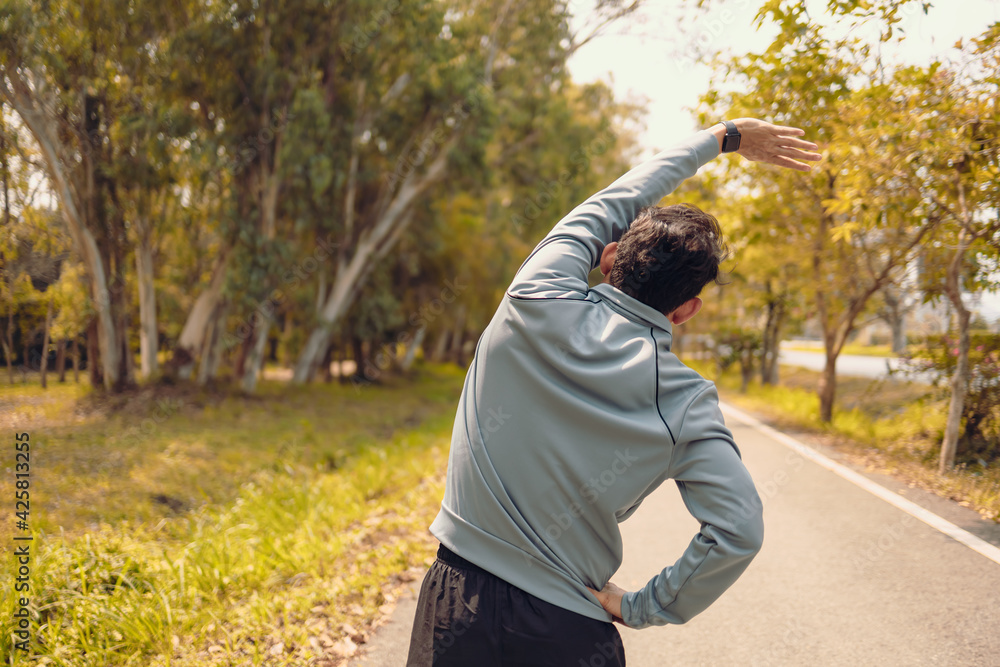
[(215, 352), (252, 365), (411, 349), (895, 315), (268, 171), (8, 342), (394, 212), (193, 334), (959, 386), (45, 344), (342, 293), (321, 292), (899, 335), (45, 129), (375, 240), (440, 345), (960, 380), (211, 348), (148, 334)]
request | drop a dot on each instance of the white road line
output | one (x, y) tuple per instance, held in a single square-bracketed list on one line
[(933, 520)]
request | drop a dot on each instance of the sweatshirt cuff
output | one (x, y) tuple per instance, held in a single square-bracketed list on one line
[(706, 146), (630, 613)]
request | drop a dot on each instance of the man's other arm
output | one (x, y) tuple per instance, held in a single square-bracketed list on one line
[(718, 491)]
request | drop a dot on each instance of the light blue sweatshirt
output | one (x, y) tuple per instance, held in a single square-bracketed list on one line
[(574, 409)]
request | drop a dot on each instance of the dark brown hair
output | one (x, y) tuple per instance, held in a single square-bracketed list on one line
[(668, 255)]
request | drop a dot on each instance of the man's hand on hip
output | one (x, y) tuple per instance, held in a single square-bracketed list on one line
[(761, 141), (610, 598)]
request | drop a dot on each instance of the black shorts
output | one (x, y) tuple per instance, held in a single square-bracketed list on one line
[(467, 617)]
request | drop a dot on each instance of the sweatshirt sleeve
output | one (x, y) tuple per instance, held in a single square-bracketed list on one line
[(572, 249), (718, 491)]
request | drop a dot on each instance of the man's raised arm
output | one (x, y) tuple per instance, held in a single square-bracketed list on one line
[(559, 265)]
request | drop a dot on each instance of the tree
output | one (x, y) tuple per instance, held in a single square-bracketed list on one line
[(956, 170), (860, 231), (61, 70), (428, 115)]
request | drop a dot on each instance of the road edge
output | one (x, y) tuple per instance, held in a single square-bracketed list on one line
[(933, 520)]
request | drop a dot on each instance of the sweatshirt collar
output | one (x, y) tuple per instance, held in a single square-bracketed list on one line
[(633, 307)]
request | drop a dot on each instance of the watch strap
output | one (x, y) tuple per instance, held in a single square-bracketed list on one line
[(731, 140)]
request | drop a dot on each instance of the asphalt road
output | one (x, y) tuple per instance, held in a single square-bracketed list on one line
[(850, 364), (844, 578), (847, 364)]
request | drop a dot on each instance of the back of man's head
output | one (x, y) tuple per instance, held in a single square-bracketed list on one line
[(668, 255)]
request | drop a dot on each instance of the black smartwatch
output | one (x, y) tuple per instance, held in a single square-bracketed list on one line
[(730, 142)]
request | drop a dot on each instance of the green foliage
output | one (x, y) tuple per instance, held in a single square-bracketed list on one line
[(937, 358), (909, 157), (269, 130), (735, 345)]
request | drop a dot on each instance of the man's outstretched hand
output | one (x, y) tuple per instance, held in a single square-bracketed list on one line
[(610, 598), (761, 141)]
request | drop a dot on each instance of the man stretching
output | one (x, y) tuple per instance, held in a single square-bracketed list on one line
[(573, 411)]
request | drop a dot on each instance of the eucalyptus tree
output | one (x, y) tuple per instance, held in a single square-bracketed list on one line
[(240, 65), (423, 94), (65, 70)]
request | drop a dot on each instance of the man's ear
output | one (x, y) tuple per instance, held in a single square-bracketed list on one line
[(685, 311), (608, 257)]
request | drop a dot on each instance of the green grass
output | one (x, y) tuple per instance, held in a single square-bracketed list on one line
[(883, 424), (27, 404), (231, 530)]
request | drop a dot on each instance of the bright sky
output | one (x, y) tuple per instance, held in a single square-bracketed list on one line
[(647, 57)]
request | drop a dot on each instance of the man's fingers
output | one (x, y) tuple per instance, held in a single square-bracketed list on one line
[(785, 161), (797, 154), (788, 162), (798, 143), (782, 129)]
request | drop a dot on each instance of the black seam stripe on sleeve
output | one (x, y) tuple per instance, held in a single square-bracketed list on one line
[(548, 298), (656, 356)]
